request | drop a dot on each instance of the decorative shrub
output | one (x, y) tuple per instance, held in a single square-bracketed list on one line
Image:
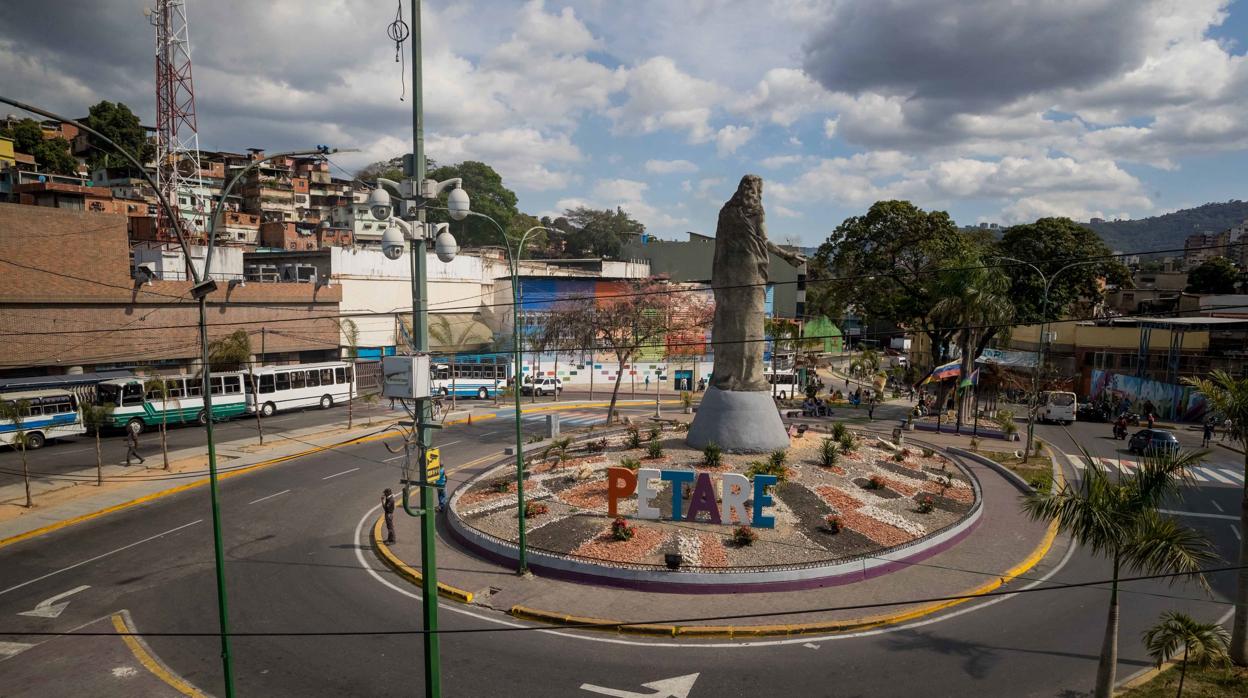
[(500, 486), (630, 463), (832, 523), (743, 536), (839, 431), (655, 449), (760, 467), (712, 455), (828, 455), (532, 509), (634, 438), (847, 445), (778, 457), (875, 483), (655, 433), (596, 446), (928, 453), (558, 448), (926, 504), (899, 456), (1005, 420), (620, 530)]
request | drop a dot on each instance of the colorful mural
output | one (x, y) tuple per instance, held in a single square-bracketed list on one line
[(1179, 402)]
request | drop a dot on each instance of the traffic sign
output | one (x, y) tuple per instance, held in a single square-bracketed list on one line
[(433, 464)]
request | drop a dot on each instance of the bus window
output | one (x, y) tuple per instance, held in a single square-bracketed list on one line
[(283, 381), (217, 388), (327, 376), (194, 386), (247, 383), (314, 379), (176, 387), (233, 385), (297, 380), (340, 375), (132, 395), (350, 374), (266, 383), (474, 371)]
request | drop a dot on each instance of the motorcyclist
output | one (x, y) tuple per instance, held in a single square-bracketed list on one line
[(1120, 427)]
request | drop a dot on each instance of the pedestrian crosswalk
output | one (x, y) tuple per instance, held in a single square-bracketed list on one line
[(1210, 474), (570, 418)]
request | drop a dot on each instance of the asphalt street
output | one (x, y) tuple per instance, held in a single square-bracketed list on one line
[(297, 562)]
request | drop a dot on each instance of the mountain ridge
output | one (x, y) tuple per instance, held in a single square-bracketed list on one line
[(1169, 230)]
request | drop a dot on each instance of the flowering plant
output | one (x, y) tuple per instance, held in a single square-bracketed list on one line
[(620, 530)]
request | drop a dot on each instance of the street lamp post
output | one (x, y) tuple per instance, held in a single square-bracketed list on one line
[(513, 263), (1044, 321)]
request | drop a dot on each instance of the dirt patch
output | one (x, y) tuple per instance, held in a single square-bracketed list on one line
[(565, 534), (901, 469), (590, 496), (885, 493), (944, 503), (645, 541)]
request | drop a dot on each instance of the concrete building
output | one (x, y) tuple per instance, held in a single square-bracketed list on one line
[(74, 306), (692, 260), (1153, 291), (1201, 247)]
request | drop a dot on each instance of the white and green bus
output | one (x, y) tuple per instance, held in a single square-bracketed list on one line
[(136, 409)]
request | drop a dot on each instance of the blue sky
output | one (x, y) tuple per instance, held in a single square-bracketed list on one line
[(995, 110)]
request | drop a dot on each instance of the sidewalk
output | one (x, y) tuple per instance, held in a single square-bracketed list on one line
[(1006, 544)]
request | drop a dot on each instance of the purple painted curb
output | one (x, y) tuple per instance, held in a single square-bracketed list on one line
[(687, 588)]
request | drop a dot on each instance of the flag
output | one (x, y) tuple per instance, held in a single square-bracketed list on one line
[(969, 380)]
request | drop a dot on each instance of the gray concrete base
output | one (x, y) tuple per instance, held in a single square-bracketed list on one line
[(738, 422)]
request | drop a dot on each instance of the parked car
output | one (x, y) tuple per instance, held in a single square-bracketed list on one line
[(1094, 412), (1148, 442), (544, 386)]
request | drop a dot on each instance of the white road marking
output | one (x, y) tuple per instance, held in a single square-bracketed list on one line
[(1216, 505), (675, 687), (1219, 476), (1198, 514), (1234, 475), (99, 557), (1197, 474), (455, 608), (811, 645), (394, 458), (48, 608), (11, 649), (342, 473), (448, 443), (275, 494), (1235, 530)]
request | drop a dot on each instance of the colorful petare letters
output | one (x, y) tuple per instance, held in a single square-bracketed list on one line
[(733, 491)]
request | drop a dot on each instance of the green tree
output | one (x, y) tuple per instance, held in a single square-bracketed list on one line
[(117, 123), (599, 232), (95, 418), (52, 154), (157, 388), (391, 169), (1228, 399), (976, 305), (489, 197), (26, 134), (16, 411), (1050, 244), (1118, 519), (1216, 275), (230, 352), (887, 265), (1204, 644)]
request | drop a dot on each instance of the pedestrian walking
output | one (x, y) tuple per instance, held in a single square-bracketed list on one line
[(441, 485), (1207, 434), (387, 508), (1226, 429), (132, 446), (1151, 420)]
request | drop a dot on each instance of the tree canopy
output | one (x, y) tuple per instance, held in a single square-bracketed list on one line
[(230, 352), (598, 232), (489, 197), (52, 154), (1051, 244), (119, 124), (1216, 275)]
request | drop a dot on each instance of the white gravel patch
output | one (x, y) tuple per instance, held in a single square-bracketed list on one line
[(893, 519)]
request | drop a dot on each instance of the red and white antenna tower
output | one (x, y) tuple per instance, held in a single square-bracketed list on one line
[(177, 133)]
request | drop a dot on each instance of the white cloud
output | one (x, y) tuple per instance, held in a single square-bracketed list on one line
[(670, 166), (659, 95), (730, 137), (829, 127), (630, 195), (512, 152), (776, 162)]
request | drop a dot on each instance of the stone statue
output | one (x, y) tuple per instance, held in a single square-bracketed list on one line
[(737, 413)]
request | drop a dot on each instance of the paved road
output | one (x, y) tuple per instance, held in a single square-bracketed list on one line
[(294, 556)]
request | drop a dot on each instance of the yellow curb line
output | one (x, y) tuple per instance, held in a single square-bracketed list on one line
[(412, 575), (121, 623), (182, 488), (730, 631)]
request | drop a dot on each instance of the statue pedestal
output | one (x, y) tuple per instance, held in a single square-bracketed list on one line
[(738, 422)]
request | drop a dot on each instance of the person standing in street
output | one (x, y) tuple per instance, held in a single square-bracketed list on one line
[(132, 446), (387, 508), (440, 483), (1207, 434)]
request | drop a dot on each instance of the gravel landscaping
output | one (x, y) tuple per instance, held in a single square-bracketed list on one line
[(576, 522)]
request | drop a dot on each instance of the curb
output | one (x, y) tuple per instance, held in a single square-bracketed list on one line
[(1014, 478), (34, 533), (412, 575), (123, 625)]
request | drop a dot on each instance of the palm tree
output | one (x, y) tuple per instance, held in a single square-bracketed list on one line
[(442, 331), (1118, 519), (975, 304), (160, 386), (95, 418), (1204, 644), (1229, 398), (16, 412)]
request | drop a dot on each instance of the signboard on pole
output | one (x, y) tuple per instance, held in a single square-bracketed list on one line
[(433, 464)]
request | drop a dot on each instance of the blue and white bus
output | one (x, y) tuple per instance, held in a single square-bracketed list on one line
[(50, 414), (476, 375)]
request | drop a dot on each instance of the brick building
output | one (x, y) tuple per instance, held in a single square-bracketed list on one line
[(68, 303)]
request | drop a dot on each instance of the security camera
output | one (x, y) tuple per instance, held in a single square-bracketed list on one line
[(379, 204), (444, 245), (392, 243), (458, 204)]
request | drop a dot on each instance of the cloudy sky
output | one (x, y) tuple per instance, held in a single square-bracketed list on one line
[(995, 110)]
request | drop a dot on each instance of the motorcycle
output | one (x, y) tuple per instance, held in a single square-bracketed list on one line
[(1120, 433), (1133, 419)]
